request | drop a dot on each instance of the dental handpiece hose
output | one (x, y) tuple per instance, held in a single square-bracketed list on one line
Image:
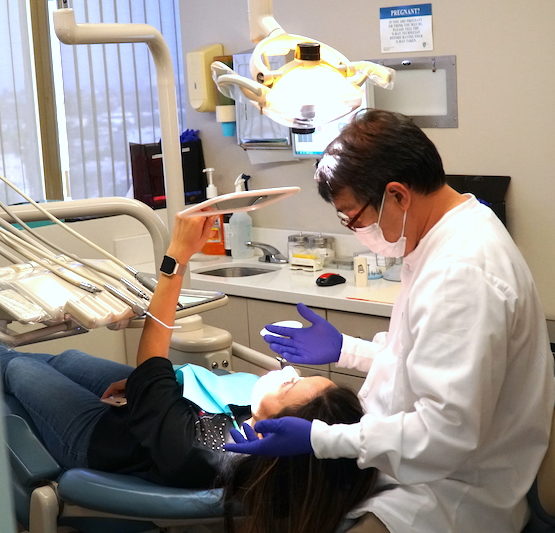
[(17, 238), (92, 266), (90, 285), (71, 231), (9, 241)]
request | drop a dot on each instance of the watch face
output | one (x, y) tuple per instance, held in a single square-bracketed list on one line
[(168, 265)]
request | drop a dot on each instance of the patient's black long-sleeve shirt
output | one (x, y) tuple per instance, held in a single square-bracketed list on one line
[(160, 435)]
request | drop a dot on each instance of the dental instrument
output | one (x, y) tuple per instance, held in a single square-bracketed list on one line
[(137, 308), (32, 295), (89, 286), (10, 240), (145, 280), (90, 264), (9, 256), (27, 251)]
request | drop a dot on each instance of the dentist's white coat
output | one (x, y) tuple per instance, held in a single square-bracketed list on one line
[(459, 392)]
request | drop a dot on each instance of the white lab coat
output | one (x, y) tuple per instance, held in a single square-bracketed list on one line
[(459, 392)]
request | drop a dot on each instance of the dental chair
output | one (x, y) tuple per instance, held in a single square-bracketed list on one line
[(48, 498), (89, 501)]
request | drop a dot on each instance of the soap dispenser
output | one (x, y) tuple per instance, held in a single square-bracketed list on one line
[(240, 226), (215, 243)]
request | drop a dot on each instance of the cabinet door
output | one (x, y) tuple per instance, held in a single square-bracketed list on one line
[(231, 317), (262, 312), (345, 380), (356, 325)]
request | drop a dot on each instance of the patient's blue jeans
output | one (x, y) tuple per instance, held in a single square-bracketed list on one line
[(61, 395)]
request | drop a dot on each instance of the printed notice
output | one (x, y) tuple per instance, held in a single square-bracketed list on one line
[(406, 28)]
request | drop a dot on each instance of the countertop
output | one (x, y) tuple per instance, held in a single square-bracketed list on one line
[(293, 286)]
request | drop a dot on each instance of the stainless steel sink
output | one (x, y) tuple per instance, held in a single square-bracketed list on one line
[(236, 271)]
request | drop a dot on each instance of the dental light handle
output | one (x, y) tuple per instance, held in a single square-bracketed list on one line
[(377, 74), (71, 33), (226, 79)]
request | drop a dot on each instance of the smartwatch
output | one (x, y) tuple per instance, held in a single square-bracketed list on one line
[(170, 266)]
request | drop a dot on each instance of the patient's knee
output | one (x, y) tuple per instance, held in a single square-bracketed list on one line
[(21, 371)]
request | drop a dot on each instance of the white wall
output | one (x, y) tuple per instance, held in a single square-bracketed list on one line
[(506, 80)]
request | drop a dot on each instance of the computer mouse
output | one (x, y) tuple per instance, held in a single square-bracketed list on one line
[(329, 279)]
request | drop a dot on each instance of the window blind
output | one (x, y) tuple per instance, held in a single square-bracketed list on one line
[(111, 97), (19, 139)]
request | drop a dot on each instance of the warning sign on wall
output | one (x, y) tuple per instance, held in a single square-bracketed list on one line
[(406, 28)]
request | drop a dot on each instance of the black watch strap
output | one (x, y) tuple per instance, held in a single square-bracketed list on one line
[(170, 266)]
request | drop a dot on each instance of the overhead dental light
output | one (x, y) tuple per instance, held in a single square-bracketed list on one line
[(316, 85)]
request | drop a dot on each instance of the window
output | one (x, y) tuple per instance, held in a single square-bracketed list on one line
[(110, 96), (20, 158), (106, 97)]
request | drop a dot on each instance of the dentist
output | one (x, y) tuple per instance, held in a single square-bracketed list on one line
[(459, 392)]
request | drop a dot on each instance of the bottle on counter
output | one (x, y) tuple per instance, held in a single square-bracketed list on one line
[(240, 226), (361, 271), (215, 243), (227, 235)]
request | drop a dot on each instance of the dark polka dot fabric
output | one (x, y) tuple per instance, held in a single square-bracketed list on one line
[(212, 430)]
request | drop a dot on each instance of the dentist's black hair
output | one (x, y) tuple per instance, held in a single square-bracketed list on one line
[(375, 148), (301, 494)]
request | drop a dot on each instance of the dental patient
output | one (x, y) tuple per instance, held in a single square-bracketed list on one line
[(164, 437)]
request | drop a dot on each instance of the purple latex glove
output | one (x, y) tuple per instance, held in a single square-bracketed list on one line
[(316, 345), (282, 437)]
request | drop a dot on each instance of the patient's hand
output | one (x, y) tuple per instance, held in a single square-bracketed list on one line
[(115, 389)]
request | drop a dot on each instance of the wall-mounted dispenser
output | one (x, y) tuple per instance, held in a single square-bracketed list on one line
[(202, 91)]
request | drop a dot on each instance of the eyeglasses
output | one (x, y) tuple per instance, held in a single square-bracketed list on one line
[(349, 222)]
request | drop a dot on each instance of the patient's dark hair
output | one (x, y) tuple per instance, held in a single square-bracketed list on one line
[(301, 494)]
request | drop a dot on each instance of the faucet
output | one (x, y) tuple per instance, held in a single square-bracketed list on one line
[(269, 253)]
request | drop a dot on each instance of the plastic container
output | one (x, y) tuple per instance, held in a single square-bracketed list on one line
[(227, 235), (296, 244), (240, 227), (215, 245), (322, 246), (361, 271)]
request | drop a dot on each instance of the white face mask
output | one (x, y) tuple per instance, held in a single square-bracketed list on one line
[(372, 237), (271, 382)]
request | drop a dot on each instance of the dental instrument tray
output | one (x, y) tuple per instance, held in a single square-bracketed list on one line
[(30, 294), (48, 292)]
